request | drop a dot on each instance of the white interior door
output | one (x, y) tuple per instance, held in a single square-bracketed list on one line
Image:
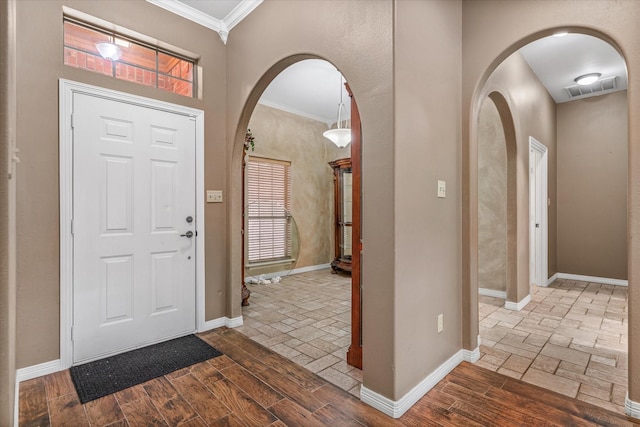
[(133, 203), (538, 237)]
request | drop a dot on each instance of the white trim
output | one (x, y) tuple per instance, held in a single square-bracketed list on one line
[(604, 280), (552, 279), (517, 306), (631, 408), (492, 293), (240, 12), (191, 13), (542, 149), (16, 405), (291, 272), (35, 371), (271, 104), (233, 322), (397, 408), (472, 356), (222, 27), (67, 89)]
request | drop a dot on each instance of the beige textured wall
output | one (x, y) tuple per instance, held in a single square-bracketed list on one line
[(492, 199), (592, 186), (40, 65), (426, 149), (7, 214), (495, 29), (285, 136), (534, 114)]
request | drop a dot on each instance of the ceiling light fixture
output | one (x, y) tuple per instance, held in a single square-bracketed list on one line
[(341, 136), (587, 79), (560, 34), (109, 50)]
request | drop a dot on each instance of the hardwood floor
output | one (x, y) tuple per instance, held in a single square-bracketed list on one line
[(251, 385)]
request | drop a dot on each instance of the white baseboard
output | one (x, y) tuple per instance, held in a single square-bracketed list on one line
[(492, 293), (517, 306), (472, 356), (605, 280), (290, 272), (46, 368), (552, 279), (397, 408), (631, 408), (220, 322)]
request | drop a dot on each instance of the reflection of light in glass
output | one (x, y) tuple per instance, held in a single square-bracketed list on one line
[(109, 50)]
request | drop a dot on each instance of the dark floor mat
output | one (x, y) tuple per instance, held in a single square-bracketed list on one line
[(106, 376)]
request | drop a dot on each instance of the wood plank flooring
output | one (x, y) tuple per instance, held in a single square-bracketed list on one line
[(253, 386)]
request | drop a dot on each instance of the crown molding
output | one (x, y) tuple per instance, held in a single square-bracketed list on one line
[(222, 27), (240, 12)]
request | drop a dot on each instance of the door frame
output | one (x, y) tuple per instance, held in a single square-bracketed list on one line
[(67, 89), (543, 197)]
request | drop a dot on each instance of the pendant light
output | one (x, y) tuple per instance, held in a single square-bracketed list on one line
[(341, 136)]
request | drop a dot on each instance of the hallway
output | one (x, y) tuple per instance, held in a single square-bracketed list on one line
[(572, 339)]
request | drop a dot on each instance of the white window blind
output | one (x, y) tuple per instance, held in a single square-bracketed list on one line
[(268, 207)]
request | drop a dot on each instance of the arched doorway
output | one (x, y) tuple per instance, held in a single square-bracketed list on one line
[(524, 132), (330, 153)]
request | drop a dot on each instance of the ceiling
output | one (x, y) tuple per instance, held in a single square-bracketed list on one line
[(310, 88), (557, 61)]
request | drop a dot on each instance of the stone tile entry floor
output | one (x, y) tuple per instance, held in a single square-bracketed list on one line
[(571, 338), (307, 319)]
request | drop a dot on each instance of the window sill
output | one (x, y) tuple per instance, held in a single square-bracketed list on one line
[(267, 263)]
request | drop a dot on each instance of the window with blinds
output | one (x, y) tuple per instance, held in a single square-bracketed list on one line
[(268, 210)]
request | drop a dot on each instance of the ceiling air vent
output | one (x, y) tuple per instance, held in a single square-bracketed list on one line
[(602, 85)]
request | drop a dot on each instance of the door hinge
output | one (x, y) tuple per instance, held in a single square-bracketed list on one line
[(71, 121), (72, 335), (71, 227)]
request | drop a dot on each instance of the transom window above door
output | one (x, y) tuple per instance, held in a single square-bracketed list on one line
[(112, 54)]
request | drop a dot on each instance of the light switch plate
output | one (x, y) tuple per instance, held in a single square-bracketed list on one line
[(214, 196), (442, 189)]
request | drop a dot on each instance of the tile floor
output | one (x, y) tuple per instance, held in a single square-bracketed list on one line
[(571, 338), (307, 319)]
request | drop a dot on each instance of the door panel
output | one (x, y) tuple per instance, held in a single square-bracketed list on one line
[(133, 187)]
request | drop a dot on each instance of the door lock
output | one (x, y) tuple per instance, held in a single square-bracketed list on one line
[(189, 219), (188, 234)]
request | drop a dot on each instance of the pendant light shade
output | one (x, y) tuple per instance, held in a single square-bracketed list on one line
[(341, 136)]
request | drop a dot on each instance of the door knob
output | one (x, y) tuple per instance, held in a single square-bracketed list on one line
[(188, 234)]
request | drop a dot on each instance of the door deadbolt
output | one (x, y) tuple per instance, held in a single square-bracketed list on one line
[(188, 234), (189, 219)]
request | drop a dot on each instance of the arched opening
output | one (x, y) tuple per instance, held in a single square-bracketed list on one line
[(307, 314), (497, 240), (547, 342)]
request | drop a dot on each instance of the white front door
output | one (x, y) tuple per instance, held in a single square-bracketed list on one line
[(133, 203)]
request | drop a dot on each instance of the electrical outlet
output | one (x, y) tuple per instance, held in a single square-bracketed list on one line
[(442, 189), (440, 322), (214, 196)]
